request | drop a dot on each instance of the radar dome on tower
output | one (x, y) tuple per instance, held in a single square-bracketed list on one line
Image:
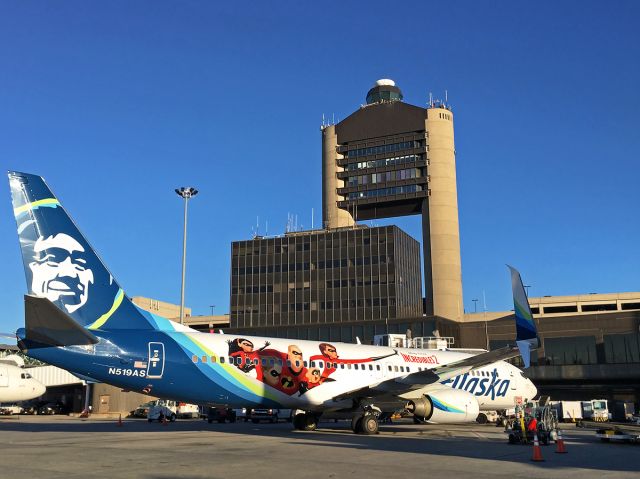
[(384, 90)]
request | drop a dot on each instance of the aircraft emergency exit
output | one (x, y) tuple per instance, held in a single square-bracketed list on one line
[(77, 317)]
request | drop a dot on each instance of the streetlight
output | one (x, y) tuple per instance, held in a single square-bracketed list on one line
[(475, 305), (527, 286), (213, 306), (187, 193)]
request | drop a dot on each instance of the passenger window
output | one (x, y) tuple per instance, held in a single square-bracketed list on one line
[(370, 367), (279, 362), (213, 359), (255, 362), (320, 364), (272, 362), (312, 364), (390, 368), (297, 364), (264, 362), (194, 358), (335, 365), (355, 366), (204, 359), (222, 359), (408, 370), (341, 365), (305, 363), (289, 362), (232, 360), (401, 369), (378, 367), (395, 368), (349, 366)]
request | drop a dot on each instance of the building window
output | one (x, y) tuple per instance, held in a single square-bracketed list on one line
[(570, 350), (622, 348)]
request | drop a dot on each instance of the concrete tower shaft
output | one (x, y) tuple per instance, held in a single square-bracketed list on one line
[(441, 231), (332, 216)]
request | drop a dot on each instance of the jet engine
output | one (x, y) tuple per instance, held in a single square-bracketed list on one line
[(445, 405)]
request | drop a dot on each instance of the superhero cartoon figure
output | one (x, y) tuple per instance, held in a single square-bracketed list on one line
[(312, 378), (243, 348), (272, 370), (331, 359)]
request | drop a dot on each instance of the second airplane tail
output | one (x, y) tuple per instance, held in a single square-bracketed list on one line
[(526, 332), (60, 264)]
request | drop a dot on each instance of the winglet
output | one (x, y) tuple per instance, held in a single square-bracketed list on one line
[(526, 332)]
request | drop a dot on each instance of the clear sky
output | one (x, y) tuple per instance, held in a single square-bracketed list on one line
[(117, 103)]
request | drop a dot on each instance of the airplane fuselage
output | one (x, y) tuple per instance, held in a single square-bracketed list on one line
[(254, 371), (16, 384)]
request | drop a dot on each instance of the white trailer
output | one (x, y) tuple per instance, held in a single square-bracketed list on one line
[(568, 411)]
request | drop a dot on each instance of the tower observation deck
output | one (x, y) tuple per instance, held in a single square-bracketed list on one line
[(388, 159)]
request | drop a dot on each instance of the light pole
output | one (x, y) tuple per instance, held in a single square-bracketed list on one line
[(213, 306), (475, 305), (187, 193), (527, 286)]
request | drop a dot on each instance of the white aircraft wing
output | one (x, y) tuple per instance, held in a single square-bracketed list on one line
[(433, 376)]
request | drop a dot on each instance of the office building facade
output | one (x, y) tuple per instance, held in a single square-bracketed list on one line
[(354, 274)]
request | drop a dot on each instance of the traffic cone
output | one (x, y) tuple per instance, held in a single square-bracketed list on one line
[(537, 453), (119, 421), (560, 443)]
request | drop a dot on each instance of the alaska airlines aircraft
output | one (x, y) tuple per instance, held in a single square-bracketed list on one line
[(77, 317), (16, 384)]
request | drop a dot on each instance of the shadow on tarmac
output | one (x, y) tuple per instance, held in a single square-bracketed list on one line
[(585, 451)]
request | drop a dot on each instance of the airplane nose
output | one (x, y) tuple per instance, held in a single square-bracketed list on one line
[(40, 389)]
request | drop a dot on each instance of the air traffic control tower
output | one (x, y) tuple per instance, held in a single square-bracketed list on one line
[(390, 159)]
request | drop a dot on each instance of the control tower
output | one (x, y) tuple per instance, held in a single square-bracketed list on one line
[(388, 159)]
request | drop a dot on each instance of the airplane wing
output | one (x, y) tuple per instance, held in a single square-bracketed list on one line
[(434, 376), (526, 341)]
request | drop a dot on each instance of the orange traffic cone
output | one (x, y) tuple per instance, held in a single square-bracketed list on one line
[(537, 453), (560, 443), (120, 421)]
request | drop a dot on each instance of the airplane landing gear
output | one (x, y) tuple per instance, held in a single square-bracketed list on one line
[(366, 422), (305, 421)]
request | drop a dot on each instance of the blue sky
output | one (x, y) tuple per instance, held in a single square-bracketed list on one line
[(117, 103)]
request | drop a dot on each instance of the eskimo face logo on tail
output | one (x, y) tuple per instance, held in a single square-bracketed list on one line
[(59, 271)]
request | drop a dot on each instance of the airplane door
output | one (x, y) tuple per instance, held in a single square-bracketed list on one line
[(4, 377), (155, 367)]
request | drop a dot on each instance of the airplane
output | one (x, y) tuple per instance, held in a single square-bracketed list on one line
[(77, 317), (16, 384)]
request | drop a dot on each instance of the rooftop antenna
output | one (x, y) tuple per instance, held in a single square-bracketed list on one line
[(311, 218), (446, 96), (333, 118), (323, 120), (431, 99), (266, 228)]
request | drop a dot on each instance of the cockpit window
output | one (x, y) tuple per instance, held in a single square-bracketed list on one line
[(25, 376)]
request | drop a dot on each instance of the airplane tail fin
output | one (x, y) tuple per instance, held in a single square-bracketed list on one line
[(526, 332), (61, 266)]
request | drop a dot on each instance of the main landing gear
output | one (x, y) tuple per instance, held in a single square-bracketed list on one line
[(366, 421), (305, 421)]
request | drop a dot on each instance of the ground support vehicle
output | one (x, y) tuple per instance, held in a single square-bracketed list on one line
[(187, 411), (10, 409), (617, 434), (220, 414), (242, 414), (160, 412), (271, 415)]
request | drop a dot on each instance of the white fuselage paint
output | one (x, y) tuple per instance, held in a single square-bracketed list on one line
[(16, 384), (496, 386)]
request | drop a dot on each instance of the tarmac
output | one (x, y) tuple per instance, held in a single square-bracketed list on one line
[(66, 447)]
